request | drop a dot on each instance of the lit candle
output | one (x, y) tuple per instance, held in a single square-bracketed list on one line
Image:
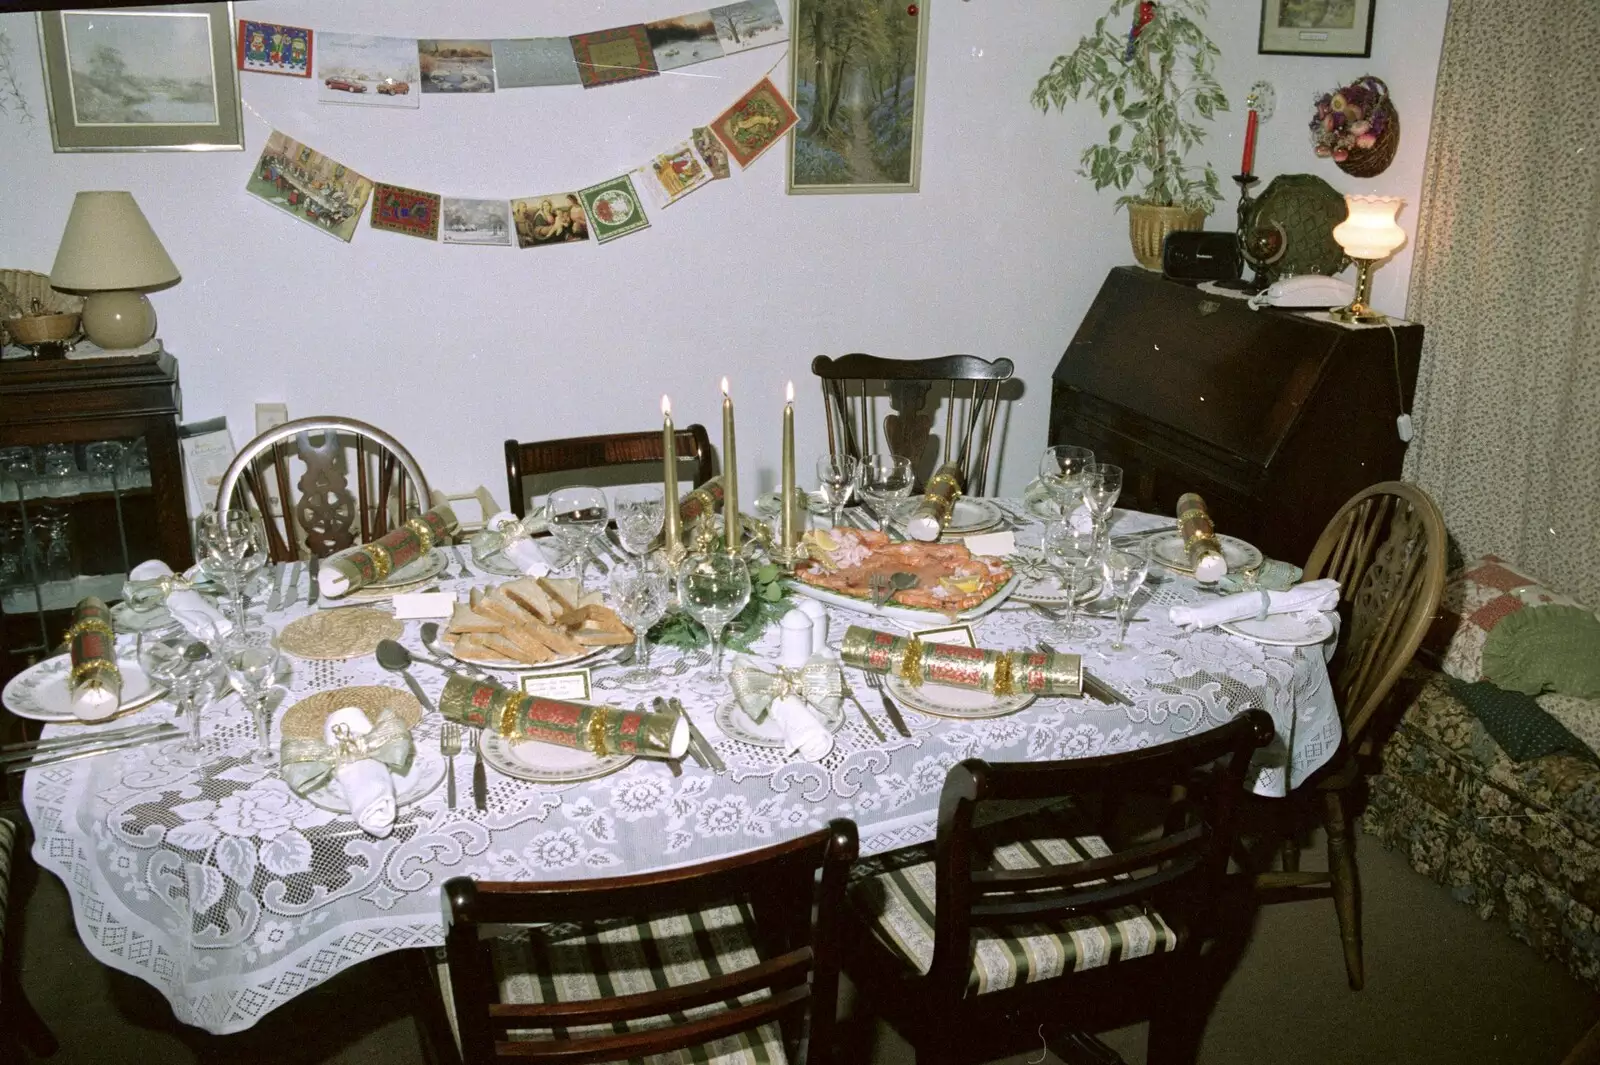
[(672, 533), (1248, 165), (786, 488), (730, 474)]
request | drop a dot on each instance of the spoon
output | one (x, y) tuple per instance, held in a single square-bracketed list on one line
[(430, 640), (400, 651), (899, 582), (396, 659)]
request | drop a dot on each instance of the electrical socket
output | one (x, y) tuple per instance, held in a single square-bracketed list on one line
[(270, 415)]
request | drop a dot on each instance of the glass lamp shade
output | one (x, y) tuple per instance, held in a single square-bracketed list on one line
[(1370, 232)]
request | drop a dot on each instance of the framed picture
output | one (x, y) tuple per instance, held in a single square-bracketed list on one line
[(1316, 27), (856, 80), (150, 79)]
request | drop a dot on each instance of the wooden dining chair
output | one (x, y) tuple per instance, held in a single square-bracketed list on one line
[(539, 467), (971, 396), (735, 961), (19, 1022), (1387, 549), (1076, 919), (324, 516)]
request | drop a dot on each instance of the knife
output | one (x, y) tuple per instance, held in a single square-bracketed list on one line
[(275, 600), (660, 706), (706, 750), (480, 776), (50, 758), (311, 595), (1093, 686), (893, 711), (13, 752), (871, 724), (293, 583)]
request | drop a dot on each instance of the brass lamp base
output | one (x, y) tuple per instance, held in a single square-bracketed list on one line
[(1359, 312)]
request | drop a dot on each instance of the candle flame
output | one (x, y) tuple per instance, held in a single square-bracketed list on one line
[(666, 405), (789, 395), (724, 387)]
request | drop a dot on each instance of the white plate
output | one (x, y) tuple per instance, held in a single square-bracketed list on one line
[(39, 692), (1284, 630), (523, 667), (905, 615), (1166, 548), (970, 516), (737, 725), (943, 701), (544, 763), (427, 769)]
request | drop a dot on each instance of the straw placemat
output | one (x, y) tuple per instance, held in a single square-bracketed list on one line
[(336, 634), (305, 719)]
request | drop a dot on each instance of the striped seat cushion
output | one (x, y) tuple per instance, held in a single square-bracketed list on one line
[(572, 963), (898, 906)]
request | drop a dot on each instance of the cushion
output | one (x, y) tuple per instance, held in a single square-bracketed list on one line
[(1553, 648), (898, 906), (575, 963), (1476, 598), (1522, 727)]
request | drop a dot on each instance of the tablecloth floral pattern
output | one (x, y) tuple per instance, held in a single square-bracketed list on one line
[(231, 895)]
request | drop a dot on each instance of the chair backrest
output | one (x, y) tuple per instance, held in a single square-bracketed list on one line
[(794, 983), (971, 396), (1176, 870), (390, 486), (1386, 547), (542, 466)]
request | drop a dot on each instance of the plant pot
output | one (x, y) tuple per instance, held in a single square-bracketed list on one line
[(1148, 226)]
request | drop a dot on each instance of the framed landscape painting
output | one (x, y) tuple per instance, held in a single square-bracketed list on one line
[(1316, 27), (150, 79), (856, 79)]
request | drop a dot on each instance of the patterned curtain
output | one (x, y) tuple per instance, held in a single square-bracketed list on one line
[(1506, 279)]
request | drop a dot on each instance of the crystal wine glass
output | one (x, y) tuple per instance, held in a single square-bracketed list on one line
[(714, 588), (1124, 572), (836, 476), (640, 511), (232, 548), (1101, 486), (640, 594), (251, 658), (182, 666), (1063, 469), (885, 480), (1075, 555), (577, 515)]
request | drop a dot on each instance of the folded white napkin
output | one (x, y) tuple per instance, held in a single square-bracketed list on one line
[(1313, 595), (188, 608), (520, 551), (802, 731), (527, 556), (368, 785)]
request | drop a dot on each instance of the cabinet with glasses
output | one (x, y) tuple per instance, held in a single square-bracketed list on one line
[(91, 484)]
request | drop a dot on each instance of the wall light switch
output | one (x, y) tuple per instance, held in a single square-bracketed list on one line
[(269, 415)]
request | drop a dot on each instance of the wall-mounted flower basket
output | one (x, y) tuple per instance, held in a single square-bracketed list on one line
[(1357, 127)]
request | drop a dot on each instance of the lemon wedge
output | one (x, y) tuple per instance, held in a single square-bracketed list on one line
[(969, 585), (823, 540)]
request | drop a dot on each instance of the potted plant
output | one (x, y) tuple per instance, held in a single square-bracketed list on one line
[(1156, 83)]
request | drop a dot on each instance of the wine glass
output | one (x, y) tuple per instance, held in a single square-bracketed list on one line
[(1124, 572), (640, 511), (1063, 470), (180, 665), (1075, 555), (1101, 487), (232, 548), (251, 658), (640, 594), (577, 515), (714, 588), (836, 476), (885, 479)]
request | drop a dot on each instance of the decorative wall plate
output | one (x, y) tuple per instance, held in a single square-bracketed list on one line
[(1289, 228)]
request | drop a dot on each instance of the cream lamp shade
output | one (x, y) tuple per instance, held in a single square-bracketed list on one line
[(110, 252), (1371, 231)]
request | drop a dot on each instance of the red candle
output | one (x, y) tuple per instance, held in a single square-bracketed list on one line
[(1248, 165)]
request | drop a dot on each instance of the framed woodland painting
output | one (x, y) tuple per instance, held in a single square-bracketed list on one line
[(1316, 27), (856, 79), (146, 79)]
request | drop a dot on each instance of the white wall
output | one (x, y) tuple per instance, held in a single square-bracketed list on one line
[(456, 348)]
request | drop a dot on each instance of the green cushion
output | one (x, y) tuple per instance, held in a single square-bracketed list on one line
[(1547, 648)]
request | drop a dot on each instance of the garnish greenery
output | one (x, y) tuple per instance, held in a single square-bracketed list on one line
[(769, 601)]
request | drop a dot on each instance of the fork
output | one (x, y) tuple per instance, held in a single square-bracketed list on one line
[(450, 746)]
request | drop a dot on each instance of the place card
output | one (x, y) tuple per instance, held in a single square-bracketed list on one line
[(573, 685), (1000, 543), (959, 635), (408, 605)]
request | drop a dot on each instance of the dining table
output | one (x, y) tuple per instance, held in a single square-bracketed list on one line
[(214, 882)]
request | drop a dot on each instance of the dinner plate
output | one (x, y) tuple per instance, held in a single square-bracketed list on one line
[(905, 615), (962, 703), (738, 725), (544, 763), (39, 692), (1284, 630), (970, 516), (427, 770), (1166, 548), (590, 655)]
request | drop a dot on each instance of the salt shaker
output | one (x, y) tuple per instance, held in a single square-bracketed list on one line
[(794, 644), (819, 624)]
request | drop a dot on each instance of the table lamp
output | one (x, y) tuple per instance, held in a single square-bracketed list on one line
[(1368, 235), (110, 253)]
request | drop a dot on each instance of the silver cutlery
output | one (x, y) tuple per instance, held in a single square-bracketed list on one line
[(398, 651), (72, 754), (708, 754), (1092, 685), (461, 561), (293, 584), (12, 752), (889, 707), (480, 776), (871, 724), (661, 706), (430, 639), (450, 746), (674, 764), (275, 600), (311, 594)]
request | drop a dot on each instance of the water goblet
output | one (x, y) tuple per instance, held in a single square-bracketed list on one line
[(232, 548), (885, 480), (180, 665), (640, 511), (1101, 487), (714, 588), (1075, 555), (640, 594), (1124, 572), (251, 658), (577, 515), (1063, 470), (836, 476)]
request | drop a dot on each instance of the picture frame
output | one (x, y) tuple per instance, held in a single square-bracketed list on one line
[(1316, 27), (878, 146), (151, 79)]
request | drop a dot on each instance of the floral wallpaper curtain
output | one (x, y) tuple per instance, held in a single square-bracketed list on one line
[(1506, 280)]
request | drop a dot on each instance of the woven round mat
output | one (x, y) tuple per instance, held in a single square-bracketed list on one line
[(335, 634), (305, 719)]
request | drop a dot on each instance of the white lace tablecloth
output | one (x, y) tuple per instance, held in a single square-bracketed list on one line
[(231, 895)]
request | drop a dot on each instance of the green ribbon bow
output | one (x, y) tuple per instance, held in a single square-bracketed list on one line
[(309, 764), (819, 684)]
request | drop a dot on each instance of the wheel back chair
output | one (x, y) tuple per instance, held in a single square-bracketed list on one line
[(1070, 918), (20, 1025), (325, 517), (971, 396), (1387, 549), (736, 958), (541, 466)]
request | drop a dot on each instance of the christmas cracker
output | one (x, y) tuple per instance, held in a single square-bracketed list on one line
[(95, 684), (927, 522), (1200, 539), (996, 672), (373, 562), (601, 730)]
